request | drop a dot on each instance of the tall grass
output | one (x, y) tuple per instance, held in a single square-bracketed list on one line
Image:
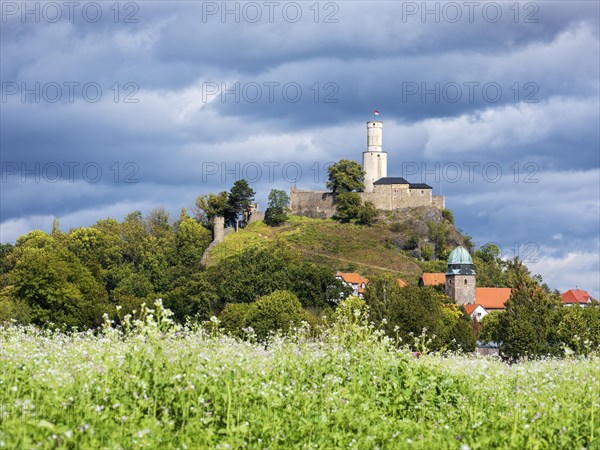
[(152, 384)]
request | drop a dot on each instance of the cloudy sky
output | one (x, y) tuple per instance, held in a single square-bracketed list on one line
[(113, 107)]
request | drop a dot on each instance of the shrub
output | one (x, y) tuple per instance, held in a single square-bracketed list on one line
[(367, 214), (233, 318), (280, 310)]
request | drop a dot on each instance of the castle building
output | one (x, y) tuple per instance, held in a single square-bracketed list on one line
[(386, 193)]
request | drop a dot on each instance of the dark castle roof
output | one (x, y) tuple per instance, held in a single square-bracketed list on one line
[(400, 180)]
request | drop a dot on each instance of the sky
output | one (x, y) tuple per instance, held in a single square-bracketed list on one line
[(112, 107)]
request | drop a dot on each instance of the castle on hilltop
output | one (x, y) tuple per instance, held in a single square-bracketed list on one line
[(386, 193)]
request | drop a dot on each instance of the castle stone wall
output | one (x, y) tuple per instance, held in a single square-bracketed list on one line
[(316, 204), (398, 196), (320, 204), (439, 201)]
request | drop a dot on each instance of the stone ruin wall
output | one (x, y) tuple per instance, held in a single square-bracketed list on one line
[(315, 204)]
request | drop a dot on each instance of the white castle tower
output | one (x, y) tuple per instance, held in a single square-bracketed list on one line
[(374, 159)]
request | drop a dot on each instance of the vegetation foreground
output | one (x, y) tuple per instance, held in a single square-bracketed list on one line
[(151, 383)]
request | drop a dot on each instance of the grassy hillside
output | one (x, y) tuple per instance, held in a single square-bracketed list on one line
[(346, 247)]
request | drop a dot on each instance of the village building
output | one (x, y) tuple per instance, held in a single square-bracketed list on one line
[(358, 283)]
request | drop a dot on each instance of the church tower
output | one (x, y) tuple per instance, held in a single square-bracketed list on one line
[(460, 277), (374, 159)]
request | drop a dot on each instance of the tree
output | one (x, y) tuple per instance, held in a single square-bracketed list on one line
[(233, 318), (258, 271), (438, 233), (277, 210), (210, 206), (579, 328), (279, 310), (367, 214), (54, 283), (348, 205), (346, 176), (316, 286), (157, 222), (490, 268), (528, 325), (490, 327), (191, 239), (241, 197), (410, 310), (192, 298)]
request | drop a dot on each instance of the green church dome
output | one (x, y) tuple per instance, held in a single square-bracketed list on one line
[(460, 255)]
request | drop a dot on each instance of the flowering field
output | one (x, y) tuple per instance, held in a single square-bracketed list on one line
[(151, 384)]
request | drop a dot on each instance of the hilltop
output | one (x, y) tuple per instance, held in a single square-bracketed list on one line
[(400, 242)]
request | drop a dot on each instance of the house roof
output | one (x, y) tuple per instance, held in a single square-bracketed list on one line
[(350, 277), (492, 298), (391, 180), (432, 279), (360, 288), (400, 180), (575, 296), (471, 307)]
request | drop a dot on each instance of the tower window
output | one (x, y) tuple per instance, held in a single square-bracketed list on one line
[(465, 281)]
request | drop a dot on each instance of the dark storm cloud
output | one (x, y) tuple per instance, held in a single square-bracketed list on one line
[(182, 138)]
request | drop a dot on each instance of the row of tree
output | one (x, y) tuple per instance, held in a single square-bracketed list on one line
[(535, 323)]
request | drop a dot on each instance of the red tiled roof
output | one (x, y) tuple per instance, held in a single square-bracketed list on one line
[(350, 277), (432, 279), (492, 298), (575, 296), (360, 288), (470, 307)]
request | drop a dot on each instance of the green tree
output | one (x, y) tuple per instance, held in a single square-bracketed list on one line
[(191, 239), (192, 298), (490, 327), (490, 268), (255, 272), (241, 197), (157, 222), (277, 211), (579, 328), (54, 283), (279, 310), (316, 286), (233, 318), (367, 214), (346, 176), (529, 322), (6, 262), (210, 206), (413, 310), (348, 206), (438, 234)]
